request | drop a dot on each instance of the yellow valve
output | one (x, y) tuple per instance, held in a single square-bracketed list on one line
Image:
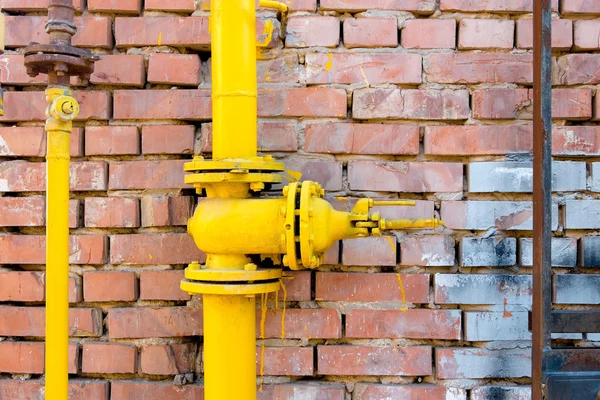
[(64, 108)]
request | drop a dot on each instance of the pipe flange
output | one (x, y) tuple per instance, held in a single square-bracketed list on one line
[(229, 289), (196, 272)]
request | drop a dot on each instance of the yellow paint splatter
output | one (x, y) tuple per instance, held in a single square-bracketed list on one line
[(341, 198), (263, 318), (150, 255), (362, 71), (392, 243), (267, 77), (159, 38), (283, 309), (329, 63), (292, 176), (402, 292), (267, 34)]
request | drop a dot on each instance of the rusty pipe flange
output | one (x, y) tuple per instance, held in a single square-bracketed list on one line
[(68, 60)]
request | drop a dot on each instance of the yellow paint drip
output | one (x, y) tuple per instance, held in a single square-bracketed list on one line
[(263, 318), (150, 256), (392, 243), (267, 34), (329, 63), (402, 292), (292, 176), (283, 309), (362, 71), (159, 41)]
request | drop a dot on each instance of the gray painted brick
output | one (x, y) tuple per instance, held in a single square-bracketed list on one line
[(482, 289), (594, 337), (590, 247), (577, 289), (484, 215), (582, 214), (501, 392), (479, 363), (595, 178), (488, 252), (564, 252), (484, 326), (517, 177)]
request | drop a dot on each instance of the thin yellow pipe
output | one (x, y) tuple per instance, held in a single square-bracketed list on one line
[(273, 4)]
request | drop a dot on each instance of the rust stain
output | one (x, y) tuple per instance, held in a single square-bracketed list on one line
[(506, 314)]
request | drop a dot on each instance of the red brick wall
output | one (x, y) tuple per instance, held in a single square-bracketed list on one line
[(414, 99)]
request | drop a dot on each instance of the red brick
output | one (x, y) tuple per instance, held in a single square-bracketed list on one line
[(479, 68), (109, 286), (23, 176), (284, 69), (22, 211), (368, 391), (31, 106), (429, 34), (170, 5), (144, 390), (427, 251), (22, 357), (410, 104), (174, 69), (112, 212), (151, 322), (162, 104), (349, 138), (165, 210), (576, 140), (417, 6), (272, 136), (168, 139), (580, 7), (327, 173), (119, 69), (404, 324), (297, 286), (30, 249), (371, 251), (30, 321), (302, 102), (370, 32), (491, 5), (574, 69), (156, 174), (422, 177), (108, 358), (347, 360), (486, 34), (332, 255), (466, 363), (116, 6), (478, 140), (285, 361), (191, 32), (586, 33), (31, 5), (171, 359), (30, 141), (301, 323), (92, 31), (365, 287), (301, 390), (309, 31), (22, 286), (562, 34), (34, 389), (159, 248), (112, 140), (13, 71), (371, 68), (162, 285)]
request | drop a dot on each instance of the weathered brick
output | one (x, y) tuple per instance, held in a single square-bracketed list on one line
[(170, 359), (162, 104), (155, 174), (166, 210), (22, 211), (404, 324), (365, 287), (590, 250), (170, 5), (423, 177), (22, 286), (582, 214), (168, 139), (427, 251), (112, 212), (174, 69), (302, 323), (112, 140), (562, 34), (478, 363), (309, 31), (283, 69), (120, 69), (192, 32), (564, 252), (416, 6), (595, 177), (517, 6), (302, 102), (297, 286), (576, 289), (483, 215), (30, 141), (370, 251), (332, 255), (162, 285), (410, 104), (285, 361), (327, 173), (370, 391), (370, 68), (478, 139), (351, 138), (517, 177), (576, 140), (116, 6), (579, 7), (486, 34), (31, 321), (503, 392), (488, 252), (22, 357), (428, 34), (151, 322), (586, 34), (479, 68), (34, 389), (306, 389), (31, 249), (347, 360), (109, 358), (141, 390), (154, 248), (272, 136), (109, 286), (482, 289), (31, 106), (575, 69), (31, 5), (370, 32), (13, 71), (487, 326)]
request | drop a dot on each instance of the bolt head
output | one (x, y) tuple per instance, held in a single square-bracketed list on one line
[(250, 267)]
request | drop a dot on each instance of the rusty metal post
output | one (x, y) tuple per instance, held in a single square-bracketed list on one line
[(542, 192)]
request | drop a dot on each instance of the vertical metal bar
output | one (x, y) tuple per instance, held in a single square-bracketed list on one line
[(542, 191)]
